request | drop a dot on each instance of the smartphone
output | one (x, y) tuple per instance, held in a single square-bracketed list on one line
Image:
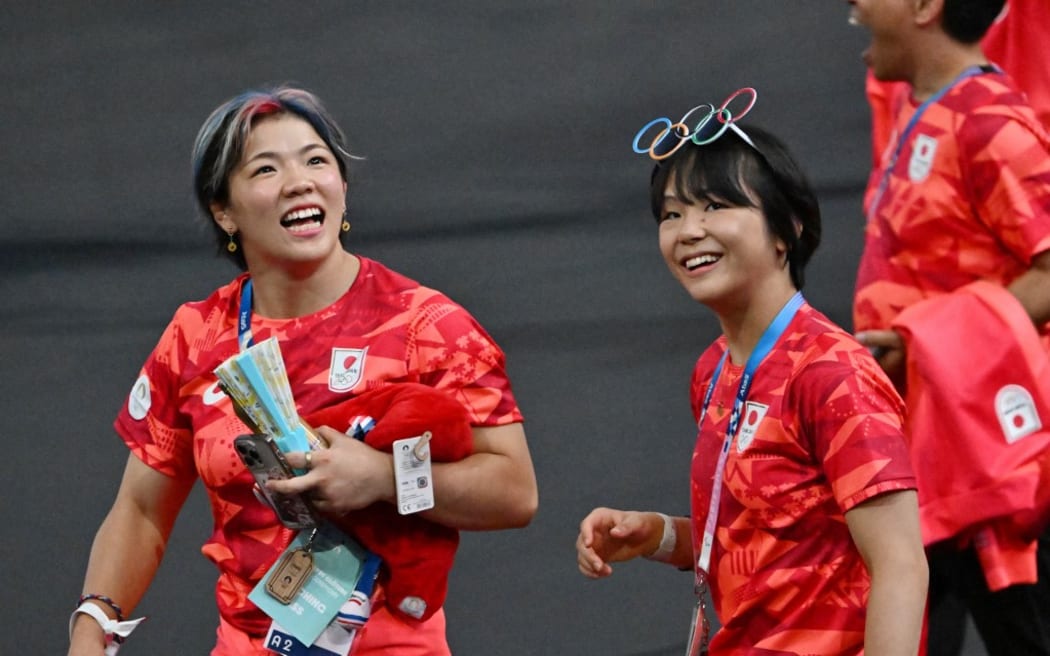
[(265, 461)]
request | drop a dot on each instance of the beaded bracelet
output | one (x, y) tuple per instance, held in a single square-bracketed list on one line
[(104, 599)]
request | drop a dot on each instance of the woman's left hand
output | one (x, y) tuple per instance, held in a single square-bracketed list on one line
[(346, 476)]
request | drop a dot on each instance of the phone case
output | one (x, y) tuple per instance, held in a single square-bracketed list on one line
[(265, 462)]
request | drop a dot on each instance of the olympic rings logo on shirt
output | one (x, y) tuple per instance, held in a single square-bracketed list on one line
[(708, 129)]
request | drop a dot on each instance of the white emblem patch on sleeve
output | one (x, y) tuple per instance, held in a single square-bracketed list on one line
[(139, 399)]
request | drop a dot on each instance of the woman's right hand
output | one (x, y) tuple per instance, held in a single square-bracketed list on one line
[(609, 536)]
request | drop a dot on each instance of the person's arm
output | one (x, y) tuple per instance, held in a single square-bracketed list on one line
[(129, 546), (886, 532), (611, 536), (1032, 289), (493, 488)]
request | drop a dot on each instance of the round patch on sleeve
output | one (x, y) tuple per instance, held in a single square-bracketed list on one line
[(139, 400)]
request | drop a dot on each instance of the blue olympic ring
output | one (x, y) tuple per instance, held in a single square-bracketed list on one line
[(701, 135)]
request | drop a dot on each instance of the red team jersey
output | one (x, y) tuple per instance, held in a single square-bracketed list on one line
[(967, 199), (385, 329), (821, 432)]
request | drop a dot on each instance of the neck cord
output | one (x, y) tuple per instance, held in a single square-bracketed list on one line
[(244, 317)]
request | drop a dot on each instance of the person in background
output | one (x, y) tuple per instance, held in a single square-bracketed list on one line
[(1015, 42), (804, 524), (958, 212), (271, 178)]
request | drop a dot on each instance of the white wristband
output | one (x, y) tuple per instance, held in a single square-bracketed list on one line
[(115, 631), (665, 551)]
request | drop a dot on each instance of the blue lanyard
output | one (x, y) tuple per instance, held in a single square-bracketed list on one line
[(244, 317), (912, 122), (765, 344), (762, 349)]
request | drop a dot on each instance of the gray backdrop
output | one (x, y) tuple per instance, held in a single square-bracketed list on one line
[(498, 169)]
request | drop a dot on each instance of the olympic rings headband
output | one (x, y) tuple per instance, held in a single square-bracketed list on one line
[(709, 128)]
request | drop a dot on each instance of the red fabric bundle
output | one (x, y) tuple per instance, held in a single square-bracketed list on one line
[(979, 424), (417, 554)]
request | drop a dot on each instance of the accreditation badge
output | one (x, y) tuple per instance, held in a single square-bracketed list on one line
[(333, 641)]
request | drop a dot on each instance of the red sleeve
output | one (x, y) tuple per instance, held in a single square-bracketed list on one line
[(1008, 170), (149, 422), (854, 420), (454, 353)]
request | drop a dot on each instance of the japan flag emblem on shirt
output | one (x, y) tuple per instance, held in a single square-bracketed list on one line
[(753, 415), (1017, 414), (922, 154), (346, 369)]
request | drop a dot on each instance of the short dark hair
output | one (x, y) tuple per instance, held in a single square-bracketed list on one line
[(742, 174), (967, 21)]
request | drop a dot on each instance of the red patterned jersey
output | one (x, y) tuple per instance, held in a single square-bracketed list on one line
[(821, 432), (386, 328), (967, 199)]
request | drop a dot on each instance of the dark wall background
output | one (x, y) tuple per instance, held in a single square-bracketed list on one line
[(496, 138)]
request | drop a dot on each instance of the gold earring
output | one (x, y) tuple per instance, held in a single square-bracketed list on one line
[(232, 246), (346, 226)]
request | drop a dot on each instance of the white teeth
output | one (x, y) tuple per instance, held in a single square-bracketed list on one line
[(307, 213), (701, 260)]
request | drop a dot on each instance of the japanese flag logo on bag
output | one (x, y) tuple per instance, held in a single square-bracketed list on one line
[(1015, 408)]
